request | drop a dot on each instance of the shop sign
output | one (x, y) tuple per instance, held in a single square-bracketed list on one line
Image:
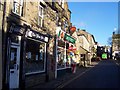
[(61, 35), (69, 39), (73, 29), (64, 36), (36, 35), (16, 29)]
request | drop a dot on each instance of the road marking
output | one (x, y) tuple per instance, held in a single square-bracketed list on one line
[(64, 84)]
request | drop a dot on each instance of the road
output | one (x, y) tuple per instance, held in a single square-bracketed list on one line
[(106, 74)]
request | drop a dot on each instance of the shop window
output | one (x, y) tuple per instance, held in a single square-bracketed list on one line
[(68, 60), (61, 58), (18, 7), (35, 56)]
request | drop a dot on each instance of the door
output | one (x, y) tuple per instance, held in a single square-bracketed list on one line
[(14, 65)]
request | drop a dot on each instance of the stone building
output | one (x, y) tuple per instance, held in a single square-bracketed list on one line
[(115, 45), (30, 41), (87, 46)]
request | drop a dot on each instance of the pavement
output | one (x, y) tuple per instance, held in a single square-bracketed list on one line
[(65, 79), (117, 62)]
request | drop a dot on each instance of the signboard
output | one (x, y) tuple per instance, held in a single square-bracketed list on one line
[(37, 36), (69, 39), (16, 29), (64, 36), (104, 56)]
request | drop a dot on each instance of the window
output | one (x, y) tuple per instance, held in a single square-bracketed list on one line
[(61, 2), (1, 5), (40, 19), (61, 58), (18, 7), (35, 57)]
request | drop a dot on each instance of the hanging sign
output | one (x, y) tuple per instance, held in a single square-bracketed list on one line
[(69, 39), (72, 29), (64, 36), (61, 35)]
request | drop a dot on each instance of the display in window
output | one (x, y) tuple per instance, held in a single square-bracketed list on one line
[(61, 58), (41, 54), (28, 55), (35, 57), (68, 60)]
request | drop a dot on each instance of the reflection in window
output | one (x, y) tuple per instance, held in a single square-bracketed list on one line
[(61, 58), (35, 56), (68, 60), (13, 57)]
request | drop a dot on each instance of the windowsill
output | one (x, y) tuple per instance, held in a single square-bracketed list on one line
[(33, 73), (17, 16)]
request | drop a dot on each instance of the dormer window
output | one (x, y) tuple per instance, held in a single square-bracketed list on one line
[(18, 7)]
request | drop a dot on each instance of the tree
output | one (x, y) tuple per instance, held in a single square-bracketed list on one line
[(109, 41)]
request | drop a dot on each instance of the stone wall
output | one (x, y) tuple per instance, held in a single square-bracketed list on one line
[(30, 17), (49, 27)]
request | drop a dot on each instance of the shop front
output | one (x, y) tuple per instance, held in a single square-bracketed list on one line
[(63, 56), (26, 57), (13, 55)]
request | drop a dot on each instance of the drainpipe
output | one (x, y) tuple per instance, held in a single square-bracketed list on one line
[(4, 86)]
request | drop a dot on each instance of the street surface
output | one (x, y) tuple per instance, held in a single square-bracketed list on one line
[(106, 74)]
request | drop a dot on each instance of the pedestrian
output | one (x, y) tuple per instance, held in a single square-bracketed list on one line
[(73, 65)]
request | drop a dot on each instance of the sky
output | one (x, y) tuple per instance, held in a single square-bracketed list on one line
[(98, 18)]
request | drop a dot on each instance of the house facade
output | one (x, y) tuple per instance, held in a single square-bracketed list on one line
[(84, 47), (31, 43), (115, 45), (87, 47)]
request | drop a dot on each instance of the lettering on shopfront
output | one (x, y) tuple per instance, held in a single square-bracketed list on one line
[(35, 35), (16, 29)]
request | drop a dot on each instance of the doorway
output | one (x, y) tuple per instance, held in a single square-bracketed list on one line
[(14, 62)]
